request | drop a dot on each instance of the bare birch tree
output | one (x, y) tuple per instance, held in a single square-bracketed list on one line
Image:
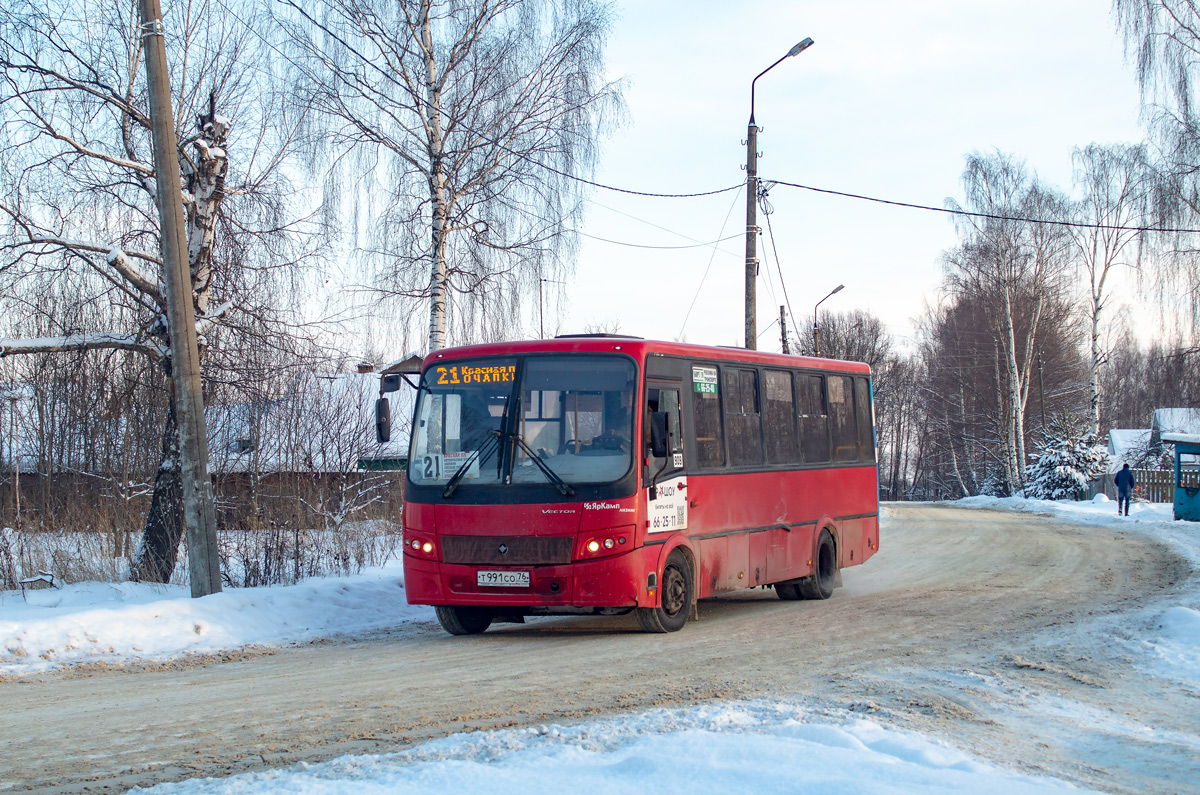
[(471, 120), (1115, 182), (78, 191), (1004, 260), (1163, 37)]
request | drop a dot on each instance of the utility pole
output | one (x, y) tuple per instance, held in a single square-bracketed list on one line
[(751, 228), (204, 567), (783, 328), (751, 203), (1041, 391)]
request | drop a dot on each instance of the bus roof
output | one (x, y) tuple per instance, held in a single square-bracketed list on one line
[(639, 349)]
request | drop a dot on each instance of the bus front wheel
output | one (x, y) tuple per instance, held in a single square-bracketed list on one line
[(820, 584), (677, 591), (459, 620)]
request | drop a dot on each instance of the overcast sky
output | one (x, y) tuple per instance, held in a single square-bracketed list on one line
[(887, 103)]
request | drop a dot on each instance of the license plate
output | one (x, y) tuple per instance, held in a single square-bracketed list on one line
[(504, 579)]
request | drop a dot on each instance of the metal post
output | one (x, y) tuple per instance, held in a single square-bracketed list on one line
[(751, 230), (783, 328), (1042, 391), (816, 331), (199, 514)]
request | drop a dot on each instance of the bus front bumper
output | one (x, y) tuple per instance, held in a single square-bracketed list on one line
[(616, 581)]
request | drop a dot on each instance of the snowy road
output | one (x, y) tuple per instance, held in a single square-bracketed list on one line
[(1009, 633)]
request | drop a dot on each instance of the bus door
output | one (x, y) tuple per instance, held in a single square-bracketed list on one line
[(664, 483)]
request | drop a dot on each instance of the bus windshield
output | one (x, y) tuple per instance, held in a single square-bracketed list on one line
[(493, 416)]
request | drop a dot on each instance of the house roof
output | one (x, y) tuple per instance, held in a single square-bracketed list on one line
[(325, 424), (1126, 446), (1176, 421)]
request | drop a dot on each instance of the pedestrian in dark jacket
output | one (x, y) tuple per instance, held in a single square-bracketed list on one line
[(1125, 483)]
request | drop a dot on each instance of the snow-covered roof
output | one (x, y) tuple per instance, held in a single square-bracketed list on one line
[(411, 363), (1122, 440), (325, 424), (1181, 438), (1176, 421), (1126, 446)]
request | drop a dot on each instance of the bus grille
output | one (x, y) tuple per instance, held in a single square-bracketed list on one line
[(519, 551)]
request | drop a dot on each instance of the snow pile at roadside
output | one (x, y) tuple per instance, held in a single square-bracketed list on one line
[(739, 747), (1179, 646), (133, 622)]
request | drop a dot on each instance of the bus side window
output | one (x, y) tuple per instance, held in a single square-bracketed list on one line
[(743, 421), (706, 417), (841, 416), (667, 401), (814, 419), (779, 414), (866, 425)]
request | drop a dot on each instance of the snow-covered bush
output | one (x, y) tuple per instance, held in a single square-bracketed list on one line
[(994, 484), (1064, 467)]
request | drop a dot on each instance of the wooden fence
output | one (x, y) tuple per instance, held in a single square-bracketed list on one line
[(1154, 485)]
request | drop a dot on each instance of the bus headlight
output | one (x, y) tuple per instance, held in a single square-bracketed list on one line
[(419, 545), (604, 542)]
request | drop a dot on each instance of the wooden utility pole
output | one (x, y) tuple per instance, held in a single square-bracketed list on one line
[(204, 567), (751, 226), (783, 329), (751, 200)]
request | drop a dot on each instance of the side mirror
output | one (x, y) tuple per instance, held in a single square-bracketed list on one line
[(660, 442), (383, 420), (389, 383)]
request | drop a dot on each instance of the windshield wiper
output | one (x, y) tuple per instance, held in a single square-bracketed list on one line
[(481, 453), (492, 443), (550, 474)]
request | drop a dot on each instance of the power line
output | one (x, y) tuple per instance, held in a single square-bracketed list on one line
[(711, 257), (666, 248), (991, 216)]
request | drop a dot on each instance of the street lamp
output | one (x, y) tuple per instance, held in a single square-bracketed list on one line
[(816, 331), (751, 198)]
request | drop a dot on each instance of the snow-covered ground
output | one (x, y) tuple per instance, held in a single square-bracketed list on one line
[(743, 747), (763, 746), (139, 623)]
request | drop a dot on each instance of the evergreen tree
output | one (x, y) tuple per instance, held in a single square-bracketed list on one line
[(1065, 465)]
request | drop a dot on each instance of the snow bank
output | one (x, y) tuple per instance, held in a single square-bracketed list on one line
[(131, 622), (1179, 646), (737, 747)]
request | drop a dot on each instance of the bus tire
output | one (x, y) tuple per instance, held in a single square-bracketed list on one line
[(461, 620), (822, 581), (676, 594), (788, 591)]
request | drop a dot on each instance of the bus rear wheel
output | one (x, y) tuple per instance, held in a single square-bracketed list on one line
[(461, 620), (820, 584), (677, 591), (788, 591)]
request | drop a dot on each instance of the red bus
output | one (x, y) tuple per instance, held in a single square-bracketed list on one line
[(601, 474)]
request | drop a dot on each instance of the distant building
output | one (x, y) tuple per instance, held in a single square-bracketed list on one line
[(1127, 446), (1185, 421)]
